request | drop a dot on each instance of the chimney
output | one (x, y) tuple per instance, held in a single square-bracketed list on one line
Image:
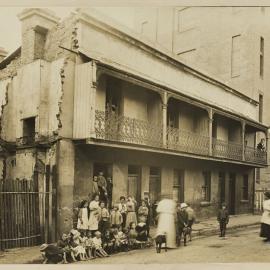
[(3, 54), (36, 22)]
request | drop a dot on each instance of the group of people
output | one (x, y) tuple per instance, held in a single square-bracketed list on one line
[(102, 230)]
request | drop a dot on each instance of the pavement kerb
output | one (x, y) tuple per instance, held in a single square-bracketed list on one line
[(210, 232), (195, 235)]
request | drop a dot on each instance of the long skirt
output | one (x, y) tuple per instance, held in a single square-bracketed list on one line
[(265, 231), (166, 224), (131, 217)]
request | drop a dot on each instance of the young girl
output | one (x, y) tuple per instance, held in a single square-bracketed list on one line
[(89, 246), (116, 217), (78, 250), (94, 214), (104, 222), (108, 242), (63, 243), (123, 238), (143, 212), (83, 221), (131, 214), (100, 252), (132, 235)]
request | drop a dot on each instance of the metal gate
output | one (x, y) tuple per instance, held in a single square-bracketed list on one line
[(27, 214)]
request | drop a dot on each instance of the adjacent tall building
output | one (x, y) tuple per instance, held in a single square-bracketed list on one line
[(86, 95), (230, 43)]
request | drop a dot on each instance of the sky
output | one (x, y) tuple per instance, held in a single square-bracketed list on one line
[(10, 25)]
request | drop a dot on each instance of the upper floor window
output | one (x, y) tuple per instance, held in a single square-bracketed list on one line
[(29, 128), (235, 56), (260, 108), (261, 56), (143, 26)]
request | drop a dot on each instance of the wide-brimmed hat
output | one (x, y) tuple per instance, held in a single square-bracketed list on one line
[(267, 194), (43, 247), (97, 233), (183, 205)]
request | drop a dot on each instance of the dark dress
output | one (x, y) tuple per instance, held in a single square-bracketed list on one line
[(54, 254), (141, 229)]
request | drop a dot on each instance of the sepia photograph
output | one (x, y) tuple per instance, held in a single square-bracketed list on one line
[(134, 133)]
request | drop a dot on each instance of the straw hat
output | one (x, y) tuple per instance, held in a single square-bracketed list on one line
[(43, 247), (183, 205)]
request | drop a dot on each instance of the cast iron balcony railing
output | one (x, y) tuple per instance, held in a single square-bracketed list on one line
[(110, 126), (113, 127), (227, 149), (186, 141), (255, 155)]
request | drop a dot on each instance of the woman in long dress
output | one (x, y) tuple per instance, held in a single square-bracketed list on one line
[(83, 221), (166, 210), (94, 214), (131, 214), (265, 221)]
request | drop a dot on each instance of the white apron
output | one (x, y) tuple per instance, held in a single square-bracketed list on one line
[(166, 221), (266, 214)]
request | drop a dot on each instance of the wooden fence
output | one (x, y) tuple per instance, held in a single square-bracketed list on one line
[(26, 213)]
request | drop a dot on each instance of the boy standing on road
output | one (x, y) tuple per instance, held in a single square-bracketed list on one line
[(223, 219)]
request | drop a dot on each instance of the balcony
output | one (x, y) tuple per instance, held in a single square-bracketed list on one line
[(225, 149), (186, 141), (124, 129), (112, 127), (255, 155)]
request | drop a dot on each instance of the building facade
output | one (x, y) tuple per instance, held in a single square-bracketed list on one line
[(230, 43), (85, 95)]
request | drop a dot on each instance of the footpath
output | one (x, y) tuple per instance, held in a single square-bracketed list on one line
[(203, 228)]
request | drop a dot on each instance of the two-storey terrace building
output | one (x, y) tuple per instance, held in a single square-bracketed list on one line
[(85, 95)]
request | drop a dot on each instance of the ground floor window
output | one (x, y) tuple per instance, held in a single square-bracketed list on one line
[(245, 187), (207, 186)]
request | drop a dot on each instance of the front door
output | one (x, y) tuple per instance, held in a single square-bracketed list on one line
[(134, 180), (154, 184), (221, 188), (232, 194)]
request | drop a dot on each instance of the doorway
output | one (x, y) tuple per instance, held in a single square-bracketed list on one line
[(232, 182), (154, 184), (178, 186), (222, 188), (134, 181)]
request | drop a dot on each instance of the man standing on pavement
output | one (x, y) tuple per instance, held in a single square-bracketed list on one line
[(191, 218), (223, 219), (182, 223)]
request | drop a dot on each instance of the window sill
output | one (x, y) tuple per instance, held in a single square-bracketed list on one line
[(205, 204), (244, 201)]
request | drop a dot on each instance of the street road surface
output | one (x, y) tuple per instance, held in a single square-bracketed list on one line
[(242, 246)]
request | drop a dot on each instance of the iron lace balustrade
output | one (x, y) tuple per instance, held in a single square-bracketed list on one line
[(114, 127), (255, 155), (187, 141), (227, 149)]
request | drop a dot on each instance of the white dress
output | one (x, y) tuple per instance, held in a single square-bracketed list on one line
[(83, 215), (266, 214), (166, 221), (94, 215)]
